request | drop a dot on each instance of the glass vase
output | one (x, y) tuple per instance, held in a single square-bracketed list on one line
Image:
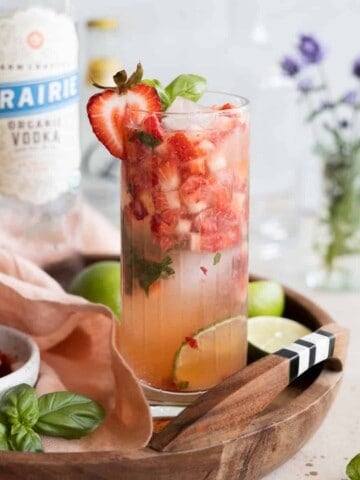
[(337, 234)]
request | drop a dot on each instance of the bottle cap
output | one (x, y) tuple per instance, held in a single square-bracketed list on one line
[(107, 23)]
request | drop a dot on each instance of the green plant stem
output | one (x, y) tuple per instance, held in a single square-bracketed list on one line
[(342, 195)]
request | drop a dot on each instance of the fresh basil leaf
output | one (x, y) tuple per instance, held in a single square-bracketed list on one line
[(189, 86), (149, 272), (68, 415), (217, 258), (148, 139), (25, 440), (19, 407), (165, 100), (353, 468), (4, 444)]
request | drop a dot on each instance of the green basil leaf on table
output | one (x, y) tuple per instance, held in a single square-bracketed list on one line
[(189, 86), (68, 415), (25, 440), (19, 407), (353, 468)]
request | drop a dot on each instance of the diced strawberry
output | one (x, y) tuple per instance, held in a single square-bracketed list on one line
[(165, 200), (106, 111), (164, 223), (168, 175), (152, 126), (183, 148), (166, 242), (212, 220), (204, 270), (214, 242), (220, 196), (135, 150), (194, 193), (147, 201), (138, 209), (140, 178), (193, 167), (192, 342), (226, 106), (206, 221)]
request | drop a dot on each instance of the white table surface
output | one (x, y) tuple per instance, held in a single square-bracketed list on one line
[(337, 440)]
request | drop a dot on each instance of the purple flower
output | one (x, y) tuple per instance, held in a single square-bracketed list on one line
[(289, 66), (310, 49), (344, 123), (350, 97), (356, 68), (305, 85)]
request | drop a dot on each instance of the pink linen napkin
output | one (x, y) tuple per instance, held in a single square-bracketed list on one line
[(78, 353)]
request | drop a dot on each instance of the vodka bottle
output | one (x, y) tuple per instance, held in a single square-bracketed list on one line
[(39, 130), (100, 171)]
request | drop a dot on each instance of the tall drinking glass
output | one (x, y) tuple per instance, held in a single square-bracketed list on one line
[(184, 217)]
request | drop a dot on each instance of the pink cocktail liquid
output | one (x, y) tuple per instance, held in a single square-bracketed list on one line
[(184, 246)]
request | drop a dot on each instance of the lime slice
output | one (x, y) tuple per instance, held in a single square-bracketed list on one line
[(267, 334), (210, 355), (100, 283), (265, 297)]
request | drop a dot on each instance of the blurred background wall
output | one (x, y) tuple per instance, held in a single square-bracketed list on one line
[(236, 45)]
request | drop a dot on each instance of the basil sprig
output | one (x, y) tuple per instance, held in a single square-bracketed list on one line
[(23, 417), (189, 86), (68, 415)]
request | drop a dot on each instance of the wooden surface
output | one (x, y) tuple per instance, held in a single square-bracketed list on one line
[(270, 439)]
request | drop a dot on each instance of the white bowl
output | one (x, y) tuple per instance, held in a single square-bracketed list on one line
[(21, 349)]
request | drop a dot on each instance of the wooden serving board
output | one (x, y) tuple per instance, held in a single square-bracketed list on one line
[(271, 438)]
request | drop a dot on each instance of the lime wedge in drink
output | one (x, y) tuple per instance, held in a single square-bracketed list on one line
[(267, 334), (210, 355), (265, 297)]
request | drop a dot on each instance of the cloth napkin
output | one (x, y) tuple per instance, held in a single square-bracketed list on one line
[(78, 352)]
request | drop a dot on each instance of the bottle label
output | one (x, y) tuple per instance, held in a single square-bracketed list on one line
[(39, 92)]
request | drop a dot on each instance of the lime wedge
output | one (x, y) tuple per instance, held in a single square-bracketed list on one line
[(267, 334), (265, 297), (210, 355)]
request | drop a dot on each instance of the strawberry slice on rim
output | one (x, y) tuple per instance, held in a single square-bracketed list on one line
[(107, 112)]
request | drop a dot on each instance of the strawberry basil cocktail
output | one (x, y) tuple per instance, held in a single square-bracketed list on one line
[(184, 206)]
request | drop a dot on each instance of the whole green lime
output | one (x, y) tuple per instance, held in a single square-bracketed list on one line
[(100, 283), (265, 297)]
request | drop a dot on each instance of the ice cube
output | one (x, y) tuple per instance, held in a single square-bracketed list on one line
[(195, 120), (183, 105)]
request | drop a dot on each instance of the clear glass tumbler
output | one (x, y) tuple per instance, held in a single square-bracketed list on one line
[(184, 217)]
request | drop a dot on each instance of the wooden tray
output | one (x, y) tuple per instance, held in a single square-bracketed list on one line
[(271, 438)]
